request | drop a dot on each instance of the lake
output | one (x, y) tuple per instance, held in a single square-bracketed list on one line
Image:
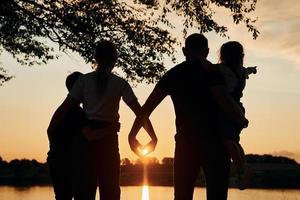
[(151, 193)]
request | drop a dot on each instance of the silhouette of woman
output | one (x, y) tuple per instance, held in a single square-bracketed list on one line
[(100, 93)]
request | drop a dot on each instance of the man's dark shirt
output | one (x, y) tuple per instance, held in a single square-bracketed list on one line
[(196, 111), (69, 132)]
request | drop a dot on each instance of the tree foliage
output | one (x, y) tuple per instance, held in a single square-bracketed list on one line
[(200, 14), (4, 76), (135, 26)]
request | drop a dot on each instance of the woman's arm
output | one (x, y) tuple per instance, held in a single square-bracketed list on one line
[(136, 108), (60, 114), (142, 118)]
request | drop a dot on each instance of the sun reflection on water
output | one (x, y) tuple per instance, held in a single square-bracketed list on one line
[(145, 193), (145, 188)]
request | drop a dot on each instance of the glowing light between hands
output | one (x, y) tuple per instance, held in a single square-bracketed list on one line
[(145, 151)]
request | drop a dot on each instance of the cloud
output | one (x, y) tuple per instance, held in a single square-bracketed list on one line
[(279, 24), (278, 10)]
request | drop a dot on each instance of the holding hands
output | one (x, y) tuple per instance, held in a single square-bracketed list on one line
[(142, 120), (142, 150)]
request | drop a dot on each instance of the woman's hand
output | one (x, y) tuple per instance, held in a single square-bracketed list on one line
[(150, 147), (135, 146)]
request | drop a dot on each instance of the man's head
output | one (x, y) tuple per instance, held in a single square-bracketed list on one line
[(71, 79), (196, 47)]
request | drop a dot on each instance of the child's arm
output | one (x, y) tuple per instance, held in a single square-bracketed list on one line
[(250, 70)]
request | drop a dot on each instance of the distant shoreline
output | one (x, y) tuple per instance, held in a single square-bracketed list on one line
[(269, 172), (50, 185)]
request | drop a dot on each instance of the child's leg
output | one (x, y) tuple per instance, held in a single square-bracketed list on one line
[(245, 174), (242, 153), (61, 177)]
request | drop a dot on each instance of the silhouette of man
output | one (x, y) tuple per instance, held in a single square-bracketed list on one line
[(66, 151), (197, 94)]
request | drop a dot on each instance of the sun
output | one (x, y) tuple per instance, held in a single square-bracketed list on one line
[(145, 152)]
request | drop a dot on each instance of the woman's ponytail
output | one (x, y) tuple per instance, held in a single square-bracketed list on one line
[(106, 57)]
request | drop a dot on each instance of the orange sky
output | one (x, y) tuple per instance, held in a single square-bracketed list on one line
[(271, 98)]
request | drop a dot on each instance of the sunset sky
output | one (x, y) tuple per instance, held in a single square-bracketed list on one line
[(272, 97)]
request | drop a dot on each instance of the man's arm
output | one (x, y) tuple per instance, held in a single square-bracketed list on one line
[(142, 116), (228, 105), (136, 108), (60, 114)]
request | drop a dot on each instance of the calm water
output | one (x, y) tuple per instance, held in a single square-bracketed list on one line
[(151, 193)]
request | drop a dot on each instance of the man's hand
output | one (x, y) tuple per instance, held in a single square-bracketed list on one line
[(234, 151), (228, 105), (242, 122)]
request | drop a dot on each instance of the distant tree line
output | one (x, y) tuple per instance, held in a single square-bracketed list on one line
[(254, 158), (250, 158), (269, 172), (23, 172)]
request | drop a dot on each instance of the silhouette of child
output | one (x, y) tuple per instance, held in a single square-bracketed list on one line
[(65, 154), (234, 75)]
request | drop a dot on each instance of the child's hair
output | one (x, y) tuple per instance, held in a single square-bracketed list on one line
[(71, 79), (106, 54), (232, 54)]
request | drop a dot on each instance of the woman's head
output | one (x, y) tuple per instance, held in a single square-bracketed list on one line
[(106, 56), (232, 54)]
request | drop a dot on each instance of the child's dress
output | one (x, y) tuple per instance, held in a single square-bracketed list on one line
[(235, 83)]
